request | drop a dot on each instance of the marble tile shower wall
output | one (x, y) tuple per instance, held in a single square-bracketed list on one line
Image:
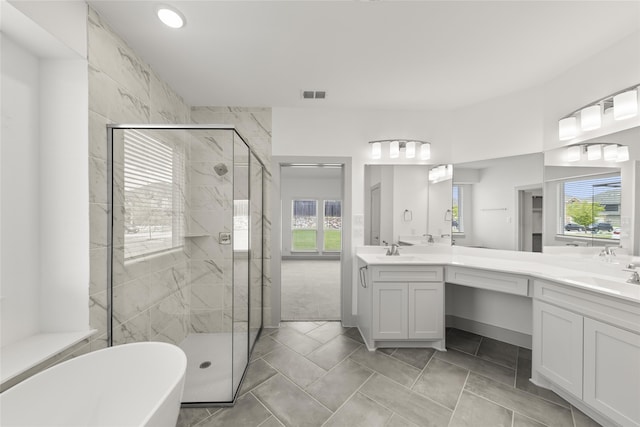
[(210, 212), (124, 89), (254, 124)]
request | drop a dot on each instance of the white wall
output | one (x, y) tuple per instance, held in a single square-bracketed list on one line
[(494, 201), (64, 196), (328, 188), (411, 193), (45, 183), (20, 192)]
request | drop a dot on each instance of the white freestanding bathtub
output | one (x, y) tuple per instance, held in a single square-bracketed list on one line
[(137, 384)]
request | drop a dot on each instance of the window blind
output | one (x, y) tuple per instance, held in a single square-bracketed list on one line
[(153, 179)]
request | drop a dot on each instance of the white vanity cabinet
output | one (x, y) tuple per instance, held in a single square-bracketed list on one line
[(400, 305), (557, 346), (589, 346)]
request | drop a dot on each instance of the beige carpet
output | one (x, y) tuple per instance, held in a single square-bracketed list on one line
[(310, 290)]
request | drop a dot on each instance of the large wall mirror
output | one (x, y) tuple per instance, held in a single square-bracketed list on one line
[(401, 205), (497, 203), (593, 202)]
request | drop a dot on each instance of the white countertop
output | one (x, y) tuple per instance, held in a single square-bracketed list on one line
[(586, 273)]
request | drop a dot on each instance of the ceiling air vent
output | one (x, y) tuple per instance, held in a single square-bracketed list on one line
[(317, 94)]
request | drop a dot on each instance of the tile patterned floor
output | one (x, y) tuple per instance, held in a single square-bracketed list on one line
[(320, 374), (310, 289)]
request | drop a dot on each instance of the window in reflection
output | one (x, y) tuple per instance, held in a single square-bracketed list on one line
[(457, 217), (304, 225), (591, 207)]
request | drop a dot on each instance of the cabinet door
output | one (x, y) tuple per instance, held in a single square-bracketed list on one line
[(389, 311), (426, 315), (557, 346), (612, 371)]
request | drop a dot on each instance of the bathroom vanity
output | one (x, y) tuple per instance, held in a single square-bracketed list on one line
[(585, 335)]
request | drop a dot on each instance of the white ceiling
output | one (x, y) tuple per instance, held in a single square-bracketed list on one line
[(378, 55)]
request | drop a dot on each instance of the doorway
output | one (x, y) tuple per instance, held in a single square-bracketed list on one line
[(530, 220), (311, 199), (311, 266)]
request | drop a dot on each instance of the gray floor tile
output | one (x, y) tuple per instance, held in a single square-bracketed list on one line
[(520, 420), (471, 409), (498, 352), (271, 422), (290, 404), (264, 346), (409, 405), (297, 368), (248, 411), (191, 416), (464, 341), (327, 332), (523, 374), (442, 382), (388, 351), (330, 354), (258, 372), (354, 334), (581, 419), (397, 421), (417, 357), (519, 401), (496, 372), (341, 382), (387, 366), (302, 327), (296, 340), (359, 411)]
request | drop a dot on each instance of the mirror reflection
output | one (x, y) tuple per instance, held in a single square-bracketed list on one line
[(402, 206), (591, 202), (497, 203)]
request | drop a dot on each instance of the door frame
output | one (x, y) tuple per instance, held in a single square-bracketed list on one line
[(346, 256)]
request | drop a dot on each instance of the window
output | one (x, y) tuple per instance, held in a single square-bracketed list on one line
[(332, 226), (304, 225), (153, 206), (591, 207), (240, 225), (457, 225)]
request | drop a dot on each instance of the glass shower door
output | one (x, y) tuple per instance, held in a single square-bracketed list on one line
[(240, 239)]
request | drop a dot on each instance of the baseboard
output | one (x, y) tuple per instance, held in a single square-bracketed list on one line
[(311, 257), (497, 333)]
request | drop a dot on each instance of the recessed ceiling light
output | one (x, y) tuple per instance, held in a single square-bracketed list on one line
[(170, 16)]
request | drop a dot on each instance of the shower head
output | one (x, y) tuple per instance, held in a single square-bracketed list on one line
[(221, 169)]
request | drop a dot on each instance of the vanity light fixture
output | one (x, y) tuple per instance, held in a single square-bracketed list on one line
[(624, 105), (396, 146), (440, 173), (590, 118), (597, 151), (567, 128), (170, 16)]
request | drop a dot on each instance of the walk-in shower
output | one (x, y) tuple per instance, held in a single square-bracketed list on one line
[(186, 253)]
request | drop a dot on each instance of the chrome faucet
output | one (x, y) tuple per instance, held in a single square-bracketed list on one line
[(429, 238), (634, 279), (393, 250), (608, 251), (442, 236)]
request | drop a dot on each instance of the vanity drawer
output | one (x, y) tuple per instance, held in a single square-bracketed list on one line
[(610, 310), (483, 279), (406, 273)]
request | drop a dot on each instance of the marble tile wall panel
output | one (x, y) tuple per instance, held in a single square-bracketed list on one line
[(254, 124), (124, 89), (109, 53)]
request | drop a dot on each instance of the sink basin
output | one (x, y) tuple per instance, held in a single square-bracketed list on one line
[(397, 259)]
